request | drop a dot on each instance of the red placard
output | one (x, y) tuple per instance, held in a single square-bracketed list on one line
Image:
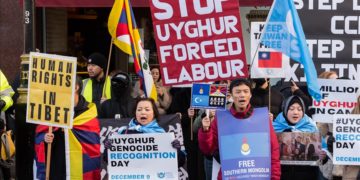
[(198, 40)]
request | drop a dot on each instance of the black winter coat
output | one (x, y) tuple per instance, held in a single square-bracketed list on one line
[(260, 98)]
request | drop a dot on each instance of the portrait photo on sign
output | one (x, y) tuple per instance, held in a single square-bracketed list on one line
[(299, 148)]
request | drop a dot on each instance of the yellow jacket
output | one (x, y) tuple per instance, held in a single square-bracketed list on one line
[(87, 89), (6, 92)]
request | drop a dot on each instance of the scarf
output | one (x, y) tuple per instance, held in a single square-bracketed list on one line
[(306, 124), (152, 127)]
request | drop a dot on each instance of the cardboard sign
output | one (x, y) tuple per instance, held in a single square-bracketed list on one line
[(51, 90)]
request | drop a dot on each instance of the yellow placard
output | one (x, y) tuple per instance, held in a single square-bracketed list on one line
[(51, 90)]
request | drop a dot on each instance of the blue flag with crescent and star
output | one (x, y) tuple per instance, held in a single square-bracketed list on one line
[(284, 33)]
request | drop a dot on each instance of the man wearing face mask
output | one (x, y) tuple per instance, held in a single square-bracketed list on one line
[(121, 105), (260, 96)]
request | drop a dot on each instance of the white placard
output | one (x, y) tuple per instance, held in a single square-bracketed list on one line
[(339, 98), (143, 156), (346, 131)]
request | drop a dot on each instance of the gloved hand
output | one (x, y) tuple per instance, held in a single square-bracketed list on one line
[(2, 104), (176, 144)]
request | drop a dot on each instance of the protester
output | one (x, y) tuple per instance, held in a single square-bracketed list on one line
[(145, 121), (240, 90), (260, 96), (5, 164), (121, 104), (97, 88), (164, 97), (208, 159), (83, 144), (6, 92), (293, 119), (328, 75)]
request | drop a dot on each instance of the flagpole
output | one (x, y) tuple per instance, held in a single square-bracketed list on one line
[(107, 68), (191, 128), (48, 157), (269, 96)]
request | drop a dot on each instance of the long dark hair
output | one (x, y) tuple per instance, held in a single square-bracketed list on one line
[(151, 100), (158, 68)]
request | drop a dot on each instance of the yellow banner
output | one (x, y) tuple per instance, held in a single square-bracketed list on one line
[(51, 90)]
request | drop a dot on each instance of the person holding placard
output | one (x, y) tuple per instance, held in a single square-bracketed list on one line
[(80, 158), (293, 119), (241, 110), (145, 121)]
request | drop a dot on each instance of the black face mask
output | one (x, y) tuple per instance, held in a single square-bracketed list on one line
[(119, 86)]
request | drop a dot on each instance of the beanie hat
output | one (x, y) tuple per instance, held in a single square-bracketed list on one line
[(290, 101), (97, 59)]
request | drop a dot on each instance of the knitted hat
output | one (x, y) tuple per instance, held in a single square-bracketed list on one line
[(97, 59), (290, 101)]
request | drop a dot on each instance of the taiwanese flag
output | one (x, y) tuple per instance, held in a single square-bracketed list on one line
[(270, 60)]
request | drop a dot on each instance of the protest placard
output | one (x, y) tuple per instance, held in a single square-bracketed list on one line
[(170, 123), (339, 97), (298, 148), (142, 156), (198, 42), (244, 145), (346, 131), (51, 90), (265, 62), (209, 96)]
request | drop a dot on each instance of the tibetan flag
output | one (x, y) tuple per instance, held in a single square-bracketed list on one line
[(283, 32), (82, 147), (270, 60), (126, 36)]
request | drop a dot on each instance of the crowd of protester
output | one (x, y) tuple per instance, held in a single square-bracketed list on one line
[(116, 96)]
